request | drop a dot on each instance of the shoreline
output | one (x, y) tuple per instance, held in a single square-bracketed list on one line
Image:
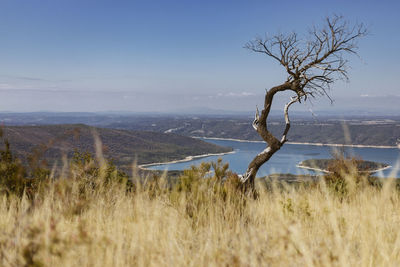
[(297, 143), (312, 169), (325, 171), (188, 158)]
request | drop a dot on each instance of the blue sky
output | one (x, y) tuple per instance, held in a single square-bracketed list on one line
[(83, 55)]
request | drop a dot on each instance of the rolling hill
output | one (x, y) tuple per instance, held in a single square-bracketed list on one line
[(51, 142)]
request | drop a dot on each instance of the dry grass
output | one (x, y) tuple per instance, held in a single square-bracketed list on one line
[(199, 223)]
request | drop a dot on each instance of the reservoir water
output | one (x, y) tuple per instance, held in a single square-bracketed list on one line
[(286, 159)]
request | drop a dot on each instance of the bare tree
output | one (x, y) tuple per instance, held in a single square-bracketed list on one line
[(312, 65)]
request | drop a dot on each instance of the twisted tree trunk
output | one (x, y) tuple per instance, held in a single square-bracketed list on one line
[(260, 125)]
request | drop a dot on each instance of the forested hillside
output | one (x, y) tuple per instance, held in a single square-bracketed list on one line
[(123, 146)]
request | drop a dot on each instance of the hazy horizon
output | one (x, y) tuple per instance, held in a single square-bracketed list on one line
[(366, 106)]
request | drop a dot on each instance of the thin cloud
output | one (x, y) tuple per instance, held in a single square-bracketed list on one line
[(242, 94), (233, 94), (24, 78)]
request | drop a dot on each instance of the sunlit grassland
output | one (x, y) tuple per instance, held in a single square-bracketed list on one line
[(83, 220)]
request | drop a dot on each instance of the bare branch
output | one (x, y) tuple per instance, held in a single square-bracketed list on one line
[(321, 53), (256, 119), (286, 112)]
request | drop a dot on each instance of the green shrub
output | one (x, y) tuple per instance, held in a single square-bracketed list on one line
[(344, 175), (12, 173)]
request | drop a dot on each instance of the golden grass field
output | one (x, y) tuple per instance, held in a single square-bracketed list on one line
[(199, 222)]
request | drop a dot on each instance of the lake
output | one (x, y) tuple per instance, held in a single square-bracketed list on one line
[(286, 159)]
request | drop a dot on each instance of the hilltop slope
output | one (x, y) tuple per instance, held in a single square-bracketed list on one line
[(123, 146)]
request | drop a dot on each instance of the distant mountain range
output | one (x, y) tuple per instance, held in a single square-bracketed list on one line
[(359, 129)]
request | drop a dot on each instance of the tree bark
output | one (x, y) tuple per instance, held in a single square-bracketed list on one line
[(273, 143)]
